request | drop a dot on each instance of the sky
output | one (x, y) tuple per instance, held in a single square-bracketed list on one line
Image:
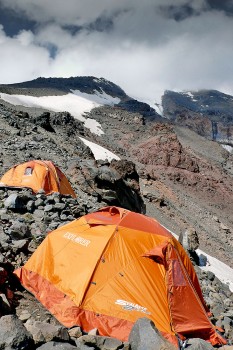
[(145, 47)]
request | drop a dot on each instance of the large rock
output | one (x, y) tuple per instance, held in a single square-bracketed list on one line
[(13, 334), (115, 183), (3, 237), (145, 336), (59, 346), (198, 344), (18, 201), (19, 230), (98, 342), (44, 332), (189, 239), (14, 202), (44, 121)]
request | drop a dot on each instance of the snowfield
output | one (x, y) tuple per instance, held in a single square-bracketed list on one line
[(98, 98), (221, 270), (228, 148), (75, 102), (99, 151)]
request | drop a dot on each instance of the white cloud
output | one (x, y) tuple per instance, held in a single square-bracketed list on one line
[(143, 52), (20, 58), (79, 12), (25, 38)]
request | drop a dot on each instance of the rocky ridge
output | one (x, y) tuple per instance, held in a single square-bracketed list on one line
[(173, 174), (208, 112), (185, 179), (180, 172), (85, 84)]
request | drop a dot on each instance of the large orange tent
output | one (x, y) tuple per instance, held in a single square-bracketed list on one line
[(109, 268), (38, 174)]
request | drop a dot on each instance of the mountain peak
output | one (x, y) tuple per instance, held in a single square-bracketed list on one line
[(86, 84)]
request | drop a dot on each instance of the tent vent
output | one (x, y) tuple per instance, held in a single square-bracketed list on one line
[(28, 171)]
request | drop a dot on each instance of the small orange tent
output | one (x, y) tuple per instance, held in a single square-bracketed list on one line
[(38, 174), (109, 268)]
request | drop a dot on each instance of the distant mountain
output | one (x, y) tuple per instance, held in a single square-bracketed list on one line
[(208, 112), (85, 84)]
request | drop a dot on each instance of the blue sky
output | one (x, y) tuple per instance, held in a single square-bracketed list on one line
[(145, 46)]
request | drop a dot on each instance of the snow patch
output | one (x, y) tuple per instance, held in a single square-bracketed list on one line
[(75, 104), (98, 98), (94, 126), (99, 151), (189, 94), (222, 271), (228, 148), (158, 108)]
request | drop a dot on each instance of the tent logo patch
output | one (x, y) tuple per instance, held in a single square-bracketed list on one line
[(77, 239), (126, 305)]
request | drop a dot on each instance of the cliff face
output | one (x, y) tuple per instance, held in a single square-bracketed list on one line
[(208, 112)]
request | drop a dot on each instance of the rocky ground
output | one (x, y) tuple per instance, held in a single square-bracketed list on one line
[(174, 175), (25, 221), (186, 180)]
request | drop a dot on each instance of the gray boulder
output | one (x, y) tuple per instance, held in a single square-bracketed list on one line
[(145, 336), (43, 332), (189, 239), (13, 334), (115, 183), (14, 202), (62, 346), (19, 245), (19, 230), (198, 344), (3, 237), (202, 260), (75, 332), (99, 342), (18, 201)]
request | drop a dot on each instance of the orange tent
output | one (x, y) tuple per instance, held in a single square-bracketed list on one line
[(38, 174), (109, 268)]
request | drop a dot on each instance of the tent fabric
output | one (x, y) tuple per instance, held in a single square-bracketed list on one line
[(37, 175), (111, 267)]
